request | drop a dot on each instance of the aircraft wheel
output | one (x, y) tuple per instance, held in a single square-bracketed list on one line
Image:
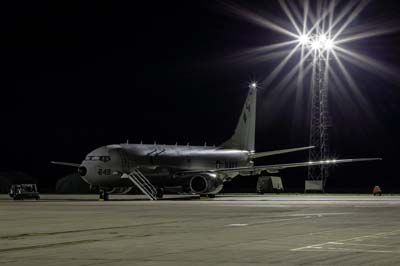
[(106, 196)]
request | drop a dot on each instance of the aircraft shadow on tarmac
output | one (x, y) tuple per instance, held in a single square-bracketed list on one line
[(87, 198)]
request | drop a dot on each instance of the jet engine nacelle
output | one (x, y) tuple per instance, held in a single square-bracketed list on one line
[(206, 183)]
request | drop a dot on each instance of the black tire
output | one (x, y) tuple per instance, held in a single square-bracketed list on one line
[(106, 196)]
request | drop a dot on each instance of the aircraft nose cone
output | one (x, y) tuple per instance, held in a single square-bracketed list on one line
[(82, 171)]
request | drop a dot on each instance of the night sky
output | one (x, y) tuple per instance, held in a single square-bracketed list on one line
[(77, 75)]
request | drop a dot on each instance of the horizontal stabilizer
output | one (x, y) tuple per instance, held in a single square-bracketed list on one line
[(270, 153), (67, 164)]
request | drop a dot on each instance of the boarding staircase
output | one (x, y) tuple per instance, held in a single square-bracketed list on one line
[(142, 183)]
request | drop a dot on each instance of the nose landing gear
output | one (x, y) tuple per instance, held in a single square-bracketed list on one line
[(160, 193)]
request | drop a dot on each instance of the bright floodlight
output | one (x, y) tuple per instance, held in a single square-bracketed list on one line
[(253, 85), (322, 38), (329, 44), (303, 39), (319, 43), (316, 37), (316, 44)]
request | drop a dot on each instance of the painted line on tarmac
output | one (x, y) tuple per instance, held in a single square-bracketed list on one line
[(291, 217), (319, 214), (266, 222), (237, 225), (349, 250), (328, 246)]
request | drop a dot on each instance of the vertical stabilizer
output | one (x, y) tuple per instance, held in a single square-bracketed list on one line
[(244, 136)]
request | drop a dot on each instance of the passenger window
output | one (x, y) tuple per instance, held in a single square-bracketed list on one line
[(105, 158)]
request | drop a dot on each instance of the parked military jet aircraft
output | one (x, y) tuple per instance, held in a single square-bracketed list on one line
[(198, 170)]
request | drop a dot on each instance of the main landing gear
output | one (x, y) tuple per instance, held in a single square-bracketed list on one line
[(104, 195)]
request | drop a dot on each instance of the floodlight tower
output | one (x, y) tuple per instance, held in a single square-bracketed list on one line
[(320, 45)]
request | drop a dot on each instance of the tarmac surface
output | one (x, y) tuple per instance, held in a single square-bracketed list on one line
[(228, 230)]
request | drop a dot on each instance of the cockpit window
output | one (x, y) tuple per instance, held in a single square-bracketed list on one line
[(98, 158)]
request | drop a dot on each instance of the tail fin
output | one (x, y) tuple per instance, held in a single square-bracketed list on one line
[(244, 136)]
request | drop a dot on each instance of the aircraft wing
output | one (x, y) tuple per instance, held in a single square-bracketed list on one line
[(67, 164), (270, 153), (274, 168), (277, 167)]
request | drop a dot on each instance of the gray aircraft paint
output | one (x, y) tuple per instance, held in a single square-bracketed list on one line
[(244, 137), (160, 163), (186, 166)]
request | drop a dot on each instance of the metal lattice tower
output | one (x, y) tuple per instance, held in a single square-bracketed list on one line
[(319, 122)]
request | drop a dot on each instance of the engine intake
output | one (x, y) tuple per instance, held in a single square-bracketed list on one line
[(205, 184)]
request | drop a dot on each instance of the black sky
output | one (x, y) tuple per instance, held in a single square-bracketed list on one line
[(80, 74)]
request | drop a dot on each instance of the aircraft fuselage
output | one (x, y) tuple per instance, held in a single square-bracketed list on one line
[(104, 166)]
